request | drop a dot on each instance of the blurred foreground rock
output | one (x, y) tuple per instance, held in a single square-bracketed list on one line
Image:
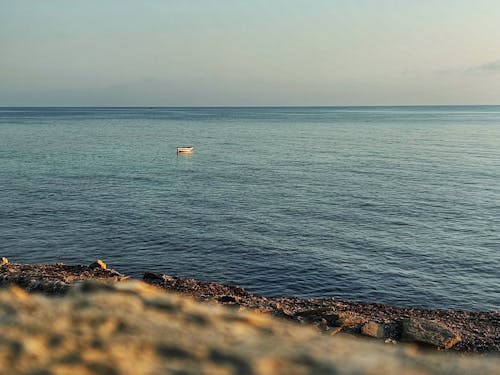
[(133, 328)]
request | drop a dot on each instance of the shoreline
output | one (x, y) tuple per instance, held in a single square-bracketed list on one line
[(454, 330)]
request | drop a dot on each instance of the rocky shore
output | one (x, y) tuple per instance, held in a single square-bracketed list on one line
[(464, 331), (454, 331)]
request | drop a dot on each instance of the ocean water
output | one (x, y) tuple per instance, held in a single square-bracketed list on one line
[(399, 205)]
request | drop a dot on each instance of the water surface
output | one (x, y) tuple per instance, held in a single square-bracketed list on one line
[(390, 204)]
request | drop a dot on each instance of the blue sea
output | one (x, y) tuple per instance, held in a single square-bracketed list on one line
[(399, 205)]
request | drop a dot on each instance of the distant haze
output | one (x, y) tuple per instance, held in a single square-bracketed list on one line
[(259, 52)]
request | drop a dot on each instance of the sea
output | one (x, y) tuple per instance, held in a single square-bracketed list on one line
[(398, 205)]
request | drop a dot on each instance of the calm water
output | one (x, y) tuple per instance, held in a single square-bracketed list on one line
[(398, 205)]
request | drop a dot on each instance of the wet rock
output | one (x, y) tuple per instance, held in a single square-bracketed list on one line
[(429, 332), (4, 261)]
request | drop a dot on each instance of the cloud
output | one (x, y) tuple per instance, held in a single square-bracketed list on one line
[(488, 68)]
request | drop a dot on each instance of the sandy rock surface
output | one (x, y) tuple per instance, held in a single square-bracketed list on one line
[(133, 328)]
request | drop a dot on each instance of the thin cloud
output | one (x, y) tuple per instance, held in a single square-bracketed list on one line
[(491, 67)]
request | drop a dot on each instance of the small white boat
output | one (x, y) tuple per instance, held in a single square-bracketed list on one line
[(185, 150)]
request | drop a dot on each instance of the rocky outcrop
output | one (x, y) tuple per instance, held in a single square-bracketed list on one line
[(54, 278), (132, 328)]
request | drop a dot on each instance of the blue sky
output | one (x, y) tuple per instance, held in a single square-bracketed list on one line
[(233, 52)]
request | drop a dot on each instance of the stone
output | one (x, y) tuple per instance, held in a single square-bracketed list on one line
[(281, 313), (429, 332), (373, 329), (347, 319), (53, 279), (152, 276), (314, 312), (4, 261), (322, 317), (98, 264), (381, 330), (227, 299)]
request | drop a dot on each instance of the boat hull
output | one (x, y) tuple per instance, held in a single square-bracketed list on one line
[(185, 150)]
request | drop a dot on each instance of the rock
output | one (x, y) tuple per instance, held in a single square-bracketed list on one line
[(152, 276), (381, 330), (281, 313), (348, 319), (115, 273), (322, 317), (4, 261), (373, 329), (131, 328), (98, 264), (52, 278), (314, 312), (226, 299), (429, 332)]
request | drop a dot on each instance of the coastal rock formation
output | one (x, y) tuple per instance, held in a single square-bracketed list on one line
[(132, 328)]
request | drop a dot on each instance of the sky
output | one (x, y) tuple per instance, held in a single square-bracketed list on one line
[(246, 53)]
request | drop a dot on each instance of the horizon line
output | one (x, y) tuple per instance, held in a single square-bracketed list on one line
[(260, 106)]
